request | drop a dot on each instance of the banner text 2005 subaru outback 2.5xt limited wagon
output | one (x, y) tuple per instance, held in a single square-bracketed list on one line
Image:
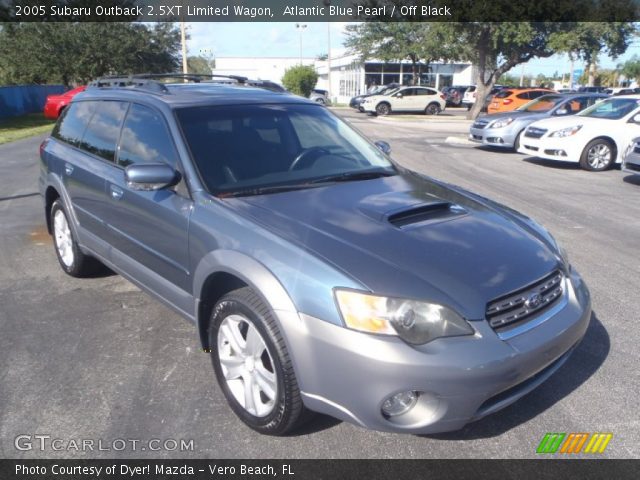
[(322, 276)]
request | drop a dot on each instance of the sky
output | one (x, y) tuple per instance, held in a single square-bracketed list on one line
[(271, 39)]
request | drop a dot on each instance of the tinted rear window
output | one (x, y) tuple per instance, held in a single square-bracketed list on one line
[(101, 135), (71, 126), (503, 93)]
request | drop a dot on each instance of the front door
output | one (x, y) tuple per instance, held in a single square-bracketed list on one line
[(149, 229)]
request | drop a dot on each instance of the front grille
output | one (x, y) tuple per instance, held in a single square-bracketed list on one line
[(535, 132), (480, 123), (517, 307)]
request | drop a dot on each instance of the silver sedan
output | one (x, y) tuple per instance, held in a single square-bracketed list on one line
[(504, 129)]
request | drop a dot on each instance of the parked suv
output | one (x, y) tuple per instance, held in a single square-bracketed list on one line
[(320, 96), (406, 99), (321, 275)]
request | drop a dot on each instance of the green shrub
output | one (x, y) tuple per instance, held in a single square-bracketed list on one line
[(300, 79)]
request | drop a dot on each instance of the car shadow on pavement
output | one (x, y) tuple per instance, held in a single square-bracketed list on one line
[(557, 164), (317, 424), (633, 179), (582, 364)]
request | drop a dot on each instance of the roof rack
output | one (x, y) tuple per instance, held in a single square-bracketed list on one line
[(149, 81)]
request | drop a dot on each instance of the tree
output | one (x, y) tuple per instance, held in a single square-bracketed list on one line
[(495, 48), (300, 79), (631, 69), (586, 40), (199, 64), (420, 43), (78, 52)]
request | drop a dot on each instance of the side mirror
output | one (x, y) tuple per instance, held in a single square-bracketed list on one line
[(562, 111), (383, 146), (398, 95), (150, 176)]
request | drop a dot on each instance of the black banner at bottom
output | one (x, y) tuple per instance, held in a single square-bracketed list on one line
[(586, 469)]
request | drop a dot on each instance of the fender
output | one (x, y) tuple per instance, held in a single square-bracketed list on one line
[(54, 180), (251, 272)]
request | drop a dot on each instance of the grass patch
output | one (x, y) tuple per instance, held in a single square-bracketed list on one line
[(15, 128)]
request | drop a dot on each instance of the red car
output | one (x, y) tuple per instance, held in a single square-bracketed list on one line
[(56, 103)]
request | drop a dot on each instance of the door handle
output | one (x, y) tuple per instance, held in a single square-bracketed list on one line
[(68, 168), (116, 192)]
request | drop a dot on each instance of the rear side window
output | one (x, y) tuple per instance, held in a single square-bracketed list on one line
[(145, 139), (537, 93), (524, 96), (426, 91), (101, 135), (71, 126)]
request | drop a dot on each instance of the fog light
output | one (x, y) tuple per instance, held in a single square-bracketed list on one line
[(399, 403)]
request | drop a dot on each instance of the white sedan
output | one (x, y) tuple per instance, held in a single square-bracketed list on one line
[(596, 138), (406, 99)]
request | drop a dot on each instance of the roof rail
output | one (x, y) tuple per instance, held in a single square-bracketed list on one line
[(149, 80), (194, 77), (122, 82)]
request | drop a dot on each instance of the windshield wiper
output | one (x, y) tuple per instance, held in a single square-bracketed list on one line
[(350, 176), (263, 190)]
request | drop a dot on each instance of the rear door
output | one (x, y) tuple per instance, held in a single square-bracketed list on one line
[(90, 130), (425, 97), (403, 101), (149, 229)]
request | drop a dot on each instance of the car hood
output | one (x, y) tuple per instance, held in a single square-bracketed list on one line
[(409, 236), (516, 114), (557, 123)]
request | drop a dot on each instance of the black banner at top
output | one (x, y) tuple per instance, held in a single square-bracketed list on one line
[(321, 10)]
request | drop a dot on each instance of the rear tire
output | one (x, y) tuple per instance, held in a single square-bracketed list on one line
[(598, 155), (252, 364), (71, 258), (432, 109)]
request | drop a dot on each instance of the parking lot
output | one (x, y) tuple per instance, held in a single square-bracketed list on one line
[(98, 359)]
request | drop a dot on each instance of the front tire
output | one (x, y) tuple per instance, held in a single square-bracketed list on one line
[(598, 155), (383, 109), (516, 142), (252, 364), (71, 258)]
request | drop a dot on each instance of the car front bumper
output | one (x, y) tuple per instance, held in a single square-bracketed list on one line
[(631, 164), (348, 375), (494, 137), (567, 149)]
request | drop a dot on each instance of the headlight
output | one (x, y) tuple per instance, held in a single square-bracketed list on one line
[(503, 122), (415, 322), (566, 132)]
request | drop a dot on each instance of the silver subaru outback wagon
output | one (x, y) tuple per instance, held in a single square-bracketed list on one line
[(322, 276)]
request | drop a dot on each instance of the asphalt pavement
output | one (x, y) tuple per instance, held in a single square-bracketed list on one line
[(98, 360)]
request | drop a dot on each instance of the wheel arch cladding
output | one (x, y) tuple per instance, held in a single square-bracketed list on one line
[(50, 196), (223, 271)]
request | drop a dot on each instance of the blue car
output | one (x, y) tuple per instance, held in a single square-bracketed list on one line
[(321, 276)]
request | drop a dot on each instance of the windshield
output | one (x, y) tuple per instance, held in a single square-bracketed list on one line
[(542, 104), (612, 108), (242, 147)]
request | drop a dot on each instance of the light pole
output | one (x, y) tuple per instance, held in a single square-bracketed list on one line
[(301, 27), (326, 4)]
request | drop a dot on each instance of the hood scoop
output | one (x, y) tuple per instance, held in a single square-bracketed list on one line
[(426, 213)]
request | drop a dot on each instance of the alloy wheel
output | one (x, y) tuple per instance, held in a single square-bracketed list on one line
[(247, 365), (63, 238)]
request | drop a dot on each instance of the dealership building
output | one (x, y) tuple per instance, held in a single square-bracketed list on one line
[(350, 75)]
